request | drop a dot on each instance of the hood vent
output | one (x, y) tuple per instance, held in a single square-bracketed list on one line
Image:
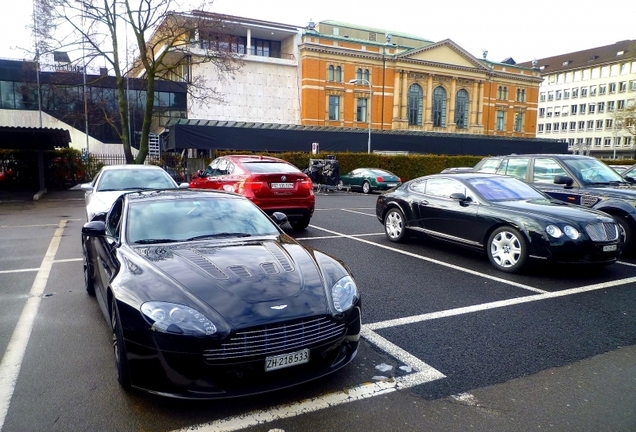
[(204, 264), (240, 271), (284, 262)]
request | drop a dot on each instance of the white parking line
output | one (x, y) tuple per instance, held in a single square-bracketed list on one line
[(424, 373), (359, 212), (434, 261), (14, 354), (338, 236), (38, 268)]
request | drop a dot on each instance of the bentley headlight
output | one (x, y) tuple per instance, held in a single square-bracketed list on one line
[(177, 319), (344, 294), (571, 232), (554, 231)]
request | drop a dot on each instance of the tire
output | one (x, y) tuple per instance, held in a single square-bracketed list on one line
[(300, 224), (88, 272), (340, 185), (119, 348), (507, 250), (366, 187), (394, 226)]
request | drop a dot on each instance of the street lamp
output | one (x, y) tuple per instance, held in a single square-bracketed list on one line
[(362, 81)]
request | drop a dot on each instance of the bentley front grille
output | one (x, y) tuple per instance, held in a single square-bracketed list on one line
[(279, 338), (601, 232)]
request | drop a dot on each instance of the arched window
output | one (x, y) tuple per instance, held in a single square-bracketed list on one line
[(338, 74), (415, 104), (330, 73), (461, 109), (366, 74), (439, 107), (359, 74)]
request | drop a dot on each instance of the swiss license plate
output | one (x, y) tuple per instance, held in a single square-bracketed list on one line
[(609, 248), (286, 360), (282, 185), (391, 184)]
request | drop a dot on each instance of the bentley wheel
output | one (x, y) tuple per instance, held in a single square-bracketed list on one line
[(88, 273), (394, 225), (340, 185), (119, 348), (626, 231), (507, 250), (300, 224), (366, 187)]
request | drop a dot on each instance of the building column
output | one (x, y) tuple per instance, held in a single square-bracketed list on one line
[(451, 111), (397, 95), (404, 97), (428, 108), (249, 41), (480, 102), (473, 104)]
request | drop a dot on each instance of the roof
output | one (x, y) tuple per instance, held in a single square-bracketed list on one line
[(618, 52), (373, 29), (33, 138)]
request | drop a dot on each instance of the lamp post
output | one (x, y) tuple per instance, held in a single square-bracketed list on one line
[(362, 81)]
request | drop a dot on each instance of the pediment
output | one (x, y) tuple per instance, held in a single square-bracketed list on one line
[(446, 52)]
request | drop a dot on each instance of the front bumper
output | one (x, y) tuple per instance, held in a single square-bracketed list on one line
[(190, 376)]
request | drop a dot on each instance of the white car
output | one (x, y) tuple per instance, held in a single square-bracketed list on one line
[(113, 180)]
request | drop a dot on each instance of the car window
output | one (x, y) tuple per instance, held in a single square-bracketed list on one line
[(516, 167), (113, 219), (419, 187), (590, 171), (222, 168), (504, 189), (545, 169), (443, 187), (488, 165), (211, 170), (270, 167)]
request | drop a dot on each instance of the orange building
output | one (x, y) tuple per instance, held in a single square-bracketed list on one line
[(351, 74)]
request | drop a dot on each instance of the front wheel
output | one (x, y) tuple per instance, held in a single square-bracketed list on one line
[(366, 187), (627, 231), (340, 185), (394, 225), (300, 224), (507, 250), (119, 348)]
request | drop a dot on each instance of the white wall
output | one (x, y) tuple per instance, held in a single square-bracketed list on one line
[(264, 90)]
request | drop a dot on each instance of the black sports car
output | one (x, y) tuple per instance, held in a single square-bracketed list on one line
[(208, 298), (509, 219)]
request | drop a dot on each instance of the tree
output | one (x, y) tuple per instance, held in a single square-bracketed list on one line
[(625, 120), (161, 48)]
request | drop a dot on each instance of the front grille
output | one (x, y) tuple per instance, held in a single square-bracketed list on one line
[(278, 338), (600, 232)]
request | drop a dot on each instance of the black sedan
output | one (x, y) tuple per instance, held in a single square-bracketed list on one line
[(509, 219), (208, 298)]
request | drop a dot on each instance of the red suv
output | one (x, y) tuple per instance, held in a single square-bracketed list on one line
[(271, 183)]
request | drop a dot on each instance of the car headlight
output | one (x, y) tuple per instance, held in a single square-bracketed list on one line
[(177, 319), (554, 231), (571, 232), (344, 293)]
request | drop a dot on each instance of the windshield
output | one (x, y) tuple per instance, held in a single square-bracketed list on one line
[(504, 189), (194, 218), (592, 171), (130, 179)]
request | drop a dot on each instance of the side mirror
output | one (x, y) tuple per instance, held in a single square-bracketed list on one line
[(94, 228), (279, 218), (564, 180), (184, 185), (463, 199), (86, 187)]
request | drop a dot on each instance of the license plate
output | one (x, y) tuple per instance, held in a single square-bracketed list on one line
[(391, 184), (609, 248), (282, 185), (286, 360)]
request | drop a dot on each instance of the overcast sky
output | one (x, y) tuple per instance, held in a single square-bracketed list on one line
[(506, 28)]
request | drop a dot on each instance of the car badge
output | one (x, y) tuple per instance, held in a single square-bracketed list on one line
[(279, 307), (283, 178)]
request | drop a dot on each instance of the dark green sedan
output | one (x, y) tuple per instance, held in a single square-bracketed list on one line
[(368, 180)]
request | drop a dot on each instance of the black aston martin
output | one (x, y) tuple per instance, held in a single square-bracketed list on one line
[(208, 298), (509, 219)]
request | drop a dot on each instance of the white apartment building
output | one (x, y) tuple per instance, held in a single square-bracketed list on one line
[(581, 94)]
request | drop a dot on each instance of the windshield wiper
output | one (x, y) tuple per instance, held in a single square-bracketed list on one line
[(223, 234), (151, 241)]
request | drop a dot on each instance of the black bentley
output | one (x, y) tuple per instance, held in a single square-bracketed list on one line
[(208, 298), (509, 219)]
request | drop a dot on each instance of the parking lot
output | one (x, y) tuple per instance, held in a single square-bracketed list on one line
[(449, 343)]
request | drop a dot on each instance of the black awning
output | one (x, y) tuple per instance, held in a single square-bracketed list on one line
[(33, 138)]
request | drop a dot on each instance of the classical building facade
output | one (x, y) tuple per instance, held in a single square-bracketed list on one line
[(352, 75), (582, 93)]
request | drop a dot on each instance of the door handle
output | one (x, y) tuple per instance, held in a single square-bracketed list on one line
[(424, 202)]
